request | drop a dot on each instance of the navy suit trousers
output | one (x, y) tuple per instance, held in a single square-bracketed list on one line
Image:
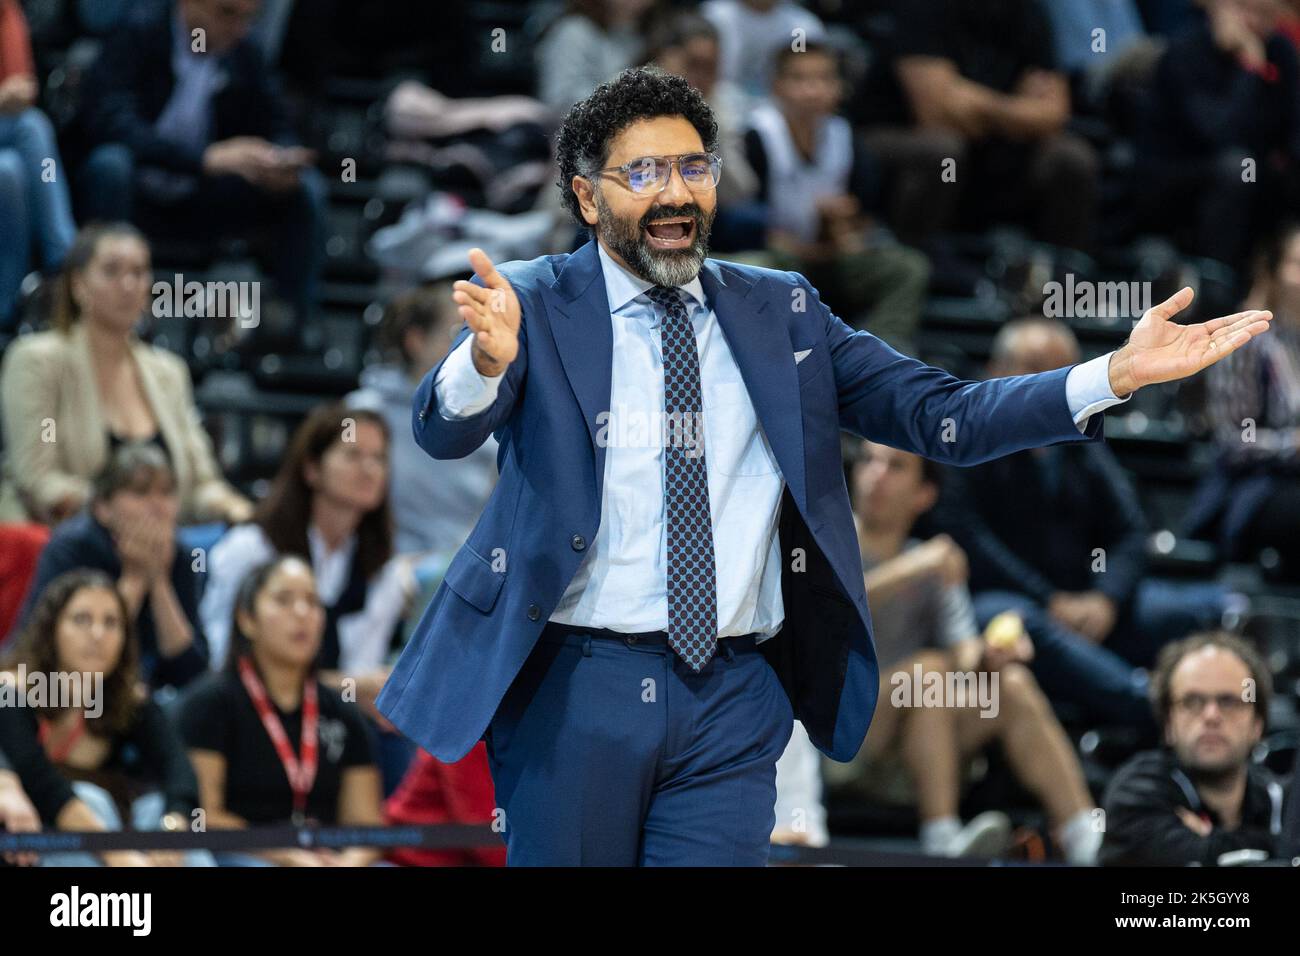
[(612, 752)]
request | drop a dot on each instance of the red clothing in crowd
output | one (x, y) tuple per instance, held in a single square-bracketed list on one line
[(15, 44), (20, 547), (437, 792)]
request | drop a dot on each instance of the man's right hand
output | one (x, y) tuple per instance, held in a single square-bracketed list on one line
[(492, 312)]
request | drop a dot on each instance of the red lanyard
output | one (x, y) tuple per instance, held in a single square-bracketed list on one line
[(60, 755), (300, 770)]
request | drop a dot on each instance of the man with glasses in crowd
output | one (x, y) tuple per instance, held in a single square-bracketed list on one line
[(667, 574), (1200, 796)]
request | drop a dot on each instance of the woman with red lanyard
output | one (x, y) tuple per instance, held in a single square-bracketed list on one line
[(103, 751), (270, 743)]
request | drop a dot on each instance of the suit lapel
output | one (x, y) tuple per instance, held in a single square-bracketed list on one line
[(584, 337), (760, 343)]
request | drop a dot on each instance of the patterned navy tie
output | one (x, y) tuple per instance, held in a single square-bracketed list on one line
[(692, 580)]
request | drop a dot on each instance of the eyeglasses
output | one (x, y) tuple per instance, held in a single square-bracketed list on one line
[(1195, 704), (650, 174)]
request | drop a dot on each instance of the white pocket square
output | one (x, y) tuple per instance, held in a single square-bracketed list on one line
[(801, 355)]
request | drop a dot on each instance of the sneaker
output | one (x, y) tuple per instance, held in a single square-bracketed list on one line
[(988, 835)]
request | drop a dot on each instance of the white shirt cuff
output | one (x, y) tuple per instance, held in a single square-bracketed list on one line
[(461, 391), (1087, 390)]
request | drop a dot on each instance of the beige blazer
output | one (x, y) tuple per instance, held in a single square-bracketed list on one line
[(56, 441)]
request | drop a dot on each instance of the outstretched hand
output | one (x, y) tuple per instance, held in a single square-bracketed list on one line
[(1160, 350), (492, 311)]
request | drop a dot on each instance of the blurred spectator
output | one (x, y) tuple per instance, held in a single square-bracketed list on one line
[(924, 624), (753, 32), (1217, 150), (329, 504), (1199, 796), (972, 122), (190, 140), (34, 205), (249, 729), (129, 533), (436, 792), (435, 503), (113, 755), (820, 186), (1168, 17), (591, 42), (687, 45), (1291, 825), (1250, 500), (1058, 535), (1079, 48), (17, 815), (69, 396), (800, 814)]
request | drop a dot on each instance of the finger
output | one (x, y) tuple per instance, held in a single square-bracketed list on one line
[(1221, 347), (473, 319), (485, 270), (477, 318), (1214, 325), (477, 293), (1247, 320), (490, 299), (1180, 300)]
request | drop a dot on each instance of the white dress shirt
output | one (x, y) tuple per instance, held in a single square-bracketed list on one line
[(622, 583)]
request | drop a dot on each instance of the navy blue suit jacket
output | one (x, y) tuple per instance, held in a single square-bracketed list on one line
[(505, 582)]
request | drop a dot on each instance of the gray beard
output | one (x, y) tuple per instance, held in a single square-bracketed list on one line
[(662, 268)]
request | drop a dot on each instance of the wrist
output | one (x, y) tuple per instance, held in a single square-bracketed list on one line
[(1120, 372), (484, 364), (133, 577), (135, 584)]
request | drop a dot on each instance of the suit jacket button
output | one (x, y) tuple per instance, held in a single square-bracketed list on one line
[(578, 542), (534, 612)]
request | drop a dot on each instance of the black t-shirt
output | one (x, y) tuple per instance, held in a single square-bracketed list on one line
[(992, 42), (217, 714), (149, 756)]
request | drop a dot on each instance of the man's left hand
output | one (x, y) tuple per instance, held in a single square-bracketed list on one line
[(1159, 350)]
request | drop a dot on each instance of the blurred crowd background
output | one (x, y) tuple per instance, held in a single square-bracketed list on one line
[(228, 230)]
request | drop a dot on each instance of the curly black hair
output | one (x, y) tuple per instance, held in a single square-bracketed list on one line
[(644, 92)]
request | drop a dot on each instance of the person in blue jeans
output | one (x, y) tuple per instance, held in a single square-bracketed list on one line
[(35, 210), (1058, 535)]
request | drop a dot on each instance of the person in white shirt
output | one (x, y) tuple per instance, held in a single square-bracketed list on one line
[(328, 504)]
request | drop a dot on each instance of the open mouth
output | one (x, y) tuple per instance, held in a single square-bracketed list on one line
[(677, 233)]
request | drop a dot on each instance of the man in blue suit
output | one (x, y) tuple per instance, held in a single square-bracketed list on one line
[(667, 573)]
